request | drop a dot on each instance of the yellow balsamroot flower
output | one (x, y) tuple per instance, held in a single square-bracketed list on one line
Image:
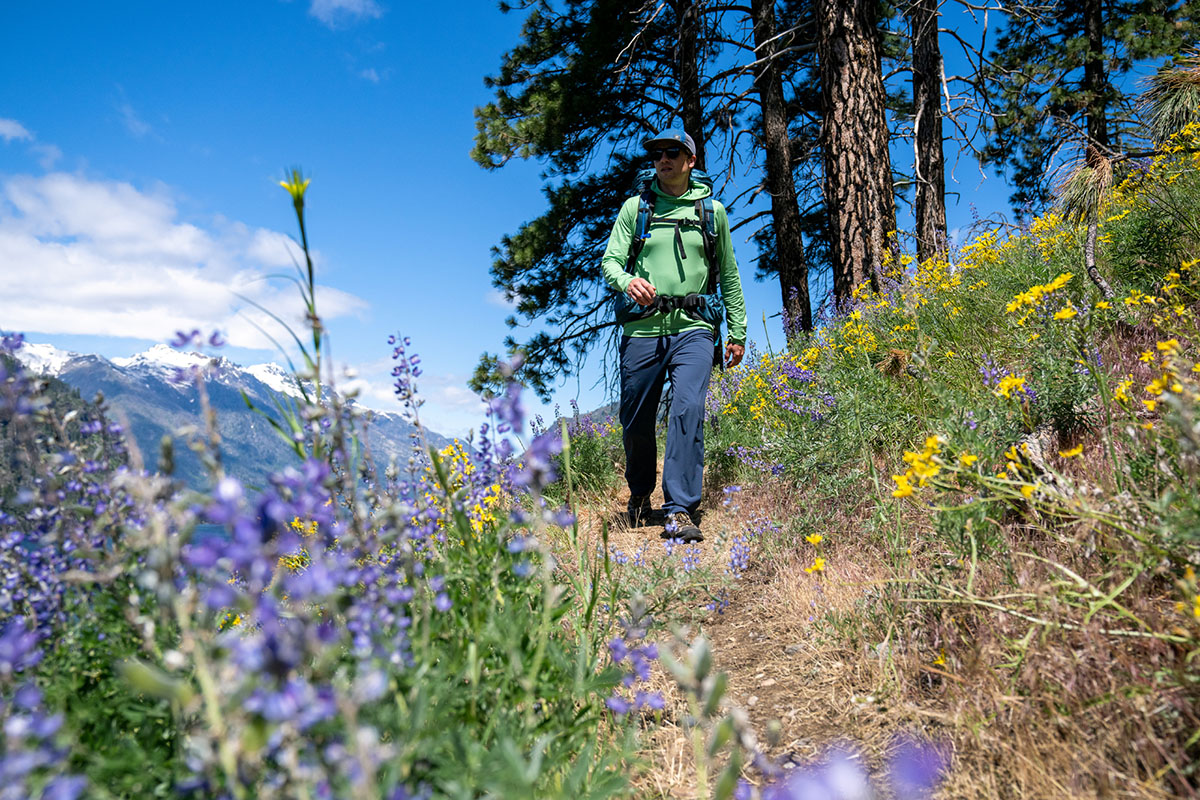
[(814, 538), (818, 565), (1008, 385), (1074, 451)]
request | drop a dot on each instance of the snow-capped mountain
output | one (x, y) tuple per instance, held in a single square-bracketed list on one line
[(146, 392), (44, 359)]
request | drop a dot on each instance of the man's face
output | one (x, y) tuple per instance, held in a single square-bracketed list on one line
[(672, 163)]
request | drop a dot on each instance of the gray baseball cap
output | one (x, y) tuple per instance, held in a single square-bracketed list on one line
[(671, 137)]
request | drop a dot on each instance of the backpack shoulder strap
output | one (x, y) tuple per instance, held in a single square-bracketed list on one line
[(641, 229), (706, 213)]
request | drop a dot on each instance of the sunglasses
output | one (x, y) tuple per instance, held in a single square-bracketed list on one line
[(670, 152)]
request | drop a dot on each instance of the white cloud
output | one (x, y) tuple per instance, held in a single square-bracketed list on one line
[(86, 256), (369, 74), (448, 406), (11, 129), (48, 155), (337, 12), (133, 123)]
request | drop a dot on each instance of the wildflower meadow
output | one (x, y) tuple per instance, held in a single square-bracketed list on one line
[(971, 493)]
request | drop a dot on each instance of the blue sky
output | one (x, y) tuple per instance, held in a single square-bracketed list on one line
[(141, 145)]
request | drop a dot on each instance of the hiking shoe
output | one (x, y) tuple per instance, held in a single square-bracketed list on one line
[(639, 509), (680, 526)]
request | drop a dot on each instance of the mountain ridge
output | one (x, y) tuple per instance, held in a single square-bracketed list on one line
[(151, 394)]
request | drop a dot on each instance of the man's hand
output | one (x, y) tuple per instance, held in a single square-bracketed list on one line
[(733, 354), (641, 291)]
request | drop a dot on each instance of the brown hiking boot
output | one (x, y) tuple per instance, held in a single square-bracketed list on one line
[(680, 526)]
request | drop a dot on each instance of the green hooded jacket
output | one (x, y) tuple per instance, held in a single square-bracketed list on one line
[(672, 271)]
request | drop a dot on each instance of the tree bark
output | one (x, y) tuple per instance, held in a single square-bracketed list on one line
[(688, 74), (1095, 81), (929, 162), (785, 211), (858, 169)]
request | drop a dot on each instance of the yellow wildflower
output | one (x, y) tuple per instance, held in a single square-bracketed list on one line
[(818, 565), (1150, 404), (1120, 393), (1066, 312), (814, 538), (903, 489), (1074, 451), (1103, 305), (966, 459), (1009, 384)]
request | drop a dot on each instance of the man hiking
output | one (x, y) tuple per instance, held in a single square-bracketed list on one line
[(669, 251)]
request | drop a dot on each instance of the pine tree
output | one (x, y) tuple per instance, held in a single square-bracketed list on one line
[(858, 172), (790, 258), (579, 93), (1056, 78), (929, 161), (580, 90)]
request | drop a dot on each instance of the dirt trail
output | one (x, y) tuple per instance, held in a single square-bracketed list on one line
[(780, 666)]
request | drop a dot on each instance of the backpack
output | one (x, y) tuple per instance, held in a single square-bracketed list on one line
[(708, 307)]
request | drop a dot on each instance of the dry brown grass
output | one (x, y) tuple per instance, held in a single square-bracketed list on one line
[(1027, 711)]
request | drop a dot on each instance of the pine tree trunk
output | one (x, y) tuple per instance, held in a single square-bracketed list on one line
[(1095, 81), (929, 160), (688, 74), (785, 212), (858, 169)]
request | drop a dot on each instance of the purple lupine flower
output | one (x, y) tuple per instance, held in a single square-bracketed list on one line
[(18, 648), (186, 339), (915, 769), (651, 700), (618, 705)]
